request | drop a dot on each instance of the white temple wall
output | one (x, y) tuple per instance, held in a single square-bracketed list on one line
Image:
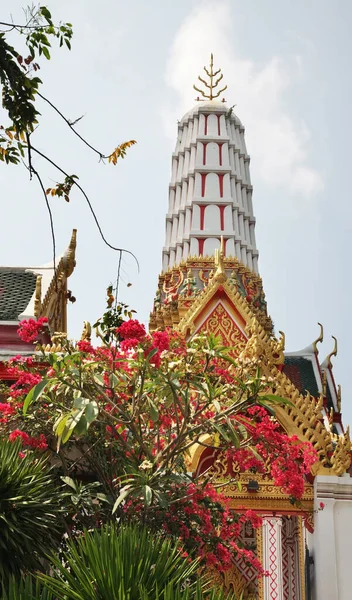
[(181, 227), (210, 245), (211, 185), (198, 185), (196, 217), (180, 168), (212, 125), (211, 218), (184, 195), (192, 162), (228, 224), (177, 198), (188, 221), (331, 542), (174, 231), (212, 154), (227, 186), (171, 201), (190, 190), (230, 248), (225, 155), (194, 247)]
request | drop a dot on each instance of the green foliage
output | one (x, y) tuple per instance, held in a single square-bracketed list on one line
[(126, 564), (27, 588), (30, 510), (19, 86), (113, 317)]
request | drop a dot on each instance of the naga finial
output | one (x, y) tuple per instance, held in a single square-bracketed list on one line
[(219, 261), (212, 85), (320, 338), (333, 353), (70, 254)]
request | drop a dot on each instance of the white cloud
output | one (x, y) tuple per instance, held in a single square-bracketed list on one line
[(277, 143)]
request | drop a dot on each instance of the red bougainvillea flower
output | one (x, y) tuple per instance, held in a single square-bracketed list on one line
[(38, 443), (131, 329), (85, 346), (29, 329)]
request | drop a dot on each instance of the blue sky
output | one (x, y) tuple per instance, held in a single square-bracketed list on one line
[(130, 73)]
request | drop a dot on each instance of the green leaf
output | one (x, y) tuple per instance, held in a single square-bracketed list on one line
[(123, 494), (217, 406), (91, 412), (45, 52), (34, 394), (154, 413), (69, 482), (148, 494)]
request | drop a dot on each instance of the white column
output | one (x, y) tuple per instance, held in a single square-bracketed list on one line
[(272, 558), (332, 537)]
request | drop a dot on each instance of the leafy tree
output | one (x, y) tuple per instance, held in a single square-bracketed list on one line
[(130, 413)]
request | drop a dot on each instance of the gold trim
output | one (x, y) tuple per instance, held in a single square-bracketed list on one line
[(301, 551), (259, 536)]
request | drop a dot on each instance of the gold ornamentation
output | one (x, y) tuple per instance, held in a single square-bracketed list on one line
[(320, 338), (38, 296), (341, 458), (212, 85), (87, 331), (70, 255), (222, 325), (333, 353), (339, 398), (54, 302), (301, 553), (220, 274)]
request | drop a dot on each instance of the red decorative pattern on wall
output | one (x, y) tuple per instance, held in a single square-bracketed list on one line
[(205, 152), (221, 184), (200, 246), (219, 126), (273, 558), (204, 177), (202, 208), (222, 216), (220, 153), (206, 124), (290, 559)]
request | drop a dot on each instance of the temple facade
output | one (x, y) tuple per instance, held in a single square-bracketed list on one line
[(210, 284)]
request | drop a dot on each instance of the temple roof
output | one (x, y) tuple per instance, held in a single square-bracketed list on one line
[(17, 286), (301, 372)]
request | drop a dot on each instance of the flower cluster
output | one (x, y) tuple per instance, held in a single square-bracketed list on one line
[(29, 329), (38, 443)]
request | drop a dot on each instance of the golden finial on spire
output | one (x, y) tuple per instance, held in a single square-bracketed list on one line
[(320, 338), (212, 84)]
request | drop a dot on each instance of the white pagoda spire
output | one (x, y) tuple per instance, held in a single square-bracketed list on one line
[(210, 194)]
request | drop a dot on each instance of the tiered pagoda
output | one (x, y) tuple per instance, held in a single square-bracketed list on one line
[(210, 283)]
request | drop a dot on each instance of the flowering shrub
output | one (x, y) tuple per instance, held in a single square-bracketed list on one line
[(133, 411)]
